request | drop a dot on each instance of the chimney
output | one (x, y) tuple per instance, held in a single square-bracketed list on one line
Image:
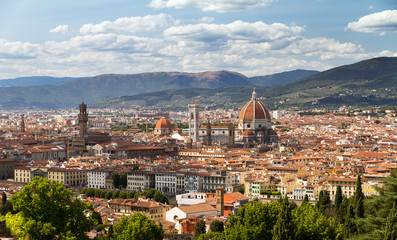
[(220, 205)]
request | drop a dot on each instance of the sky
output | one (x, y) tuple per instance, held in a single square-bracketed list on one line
[(78, 38)]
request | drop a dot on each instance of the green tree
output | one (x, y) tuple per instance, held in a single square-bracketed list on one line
[(211, 236), (110, 232), (391, 227), (285, 227), (116, 181), (98, 193), (116, 194), (350, 227), (3, 198), (137, 227), (97, 217), (123, 195), (160, 197), (324, 202), (254, 221), (130, 194), (150, 193), (6, 205), (358, 199), (136, 195), (338, 197), (199, 228), (241, 189), (46, 210), (123, 180), (109, 195), (310, 223), (216, 226), (305, 200)]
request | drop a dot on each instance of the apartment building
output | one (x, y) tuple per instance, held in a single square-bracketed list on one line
[(140, 180)]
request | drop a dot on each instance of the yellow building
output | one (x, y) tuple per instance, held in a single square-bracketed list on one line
[(22, 174), (153, 210), (369, 188), (70, 177), (348, 186)]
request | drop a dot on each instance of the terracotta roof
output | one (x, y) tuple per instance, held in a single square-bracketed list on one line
[(238, 196), (197, 208)]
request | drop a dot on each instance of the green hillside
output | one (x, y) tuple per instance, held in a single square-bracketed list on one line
[(367, 83), (281, 78)]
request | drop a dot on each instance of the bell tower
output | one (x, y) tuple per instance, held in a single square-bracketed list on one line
[(83, 119), (193, 116), (22, 124), (220, 204)]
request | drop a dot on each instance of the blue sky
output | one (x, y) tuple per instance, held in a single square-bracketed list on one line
[(77, 38)]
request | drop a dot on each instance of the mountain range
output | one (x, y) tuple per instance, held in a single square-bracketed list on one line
[(93, 89), (369, 82)]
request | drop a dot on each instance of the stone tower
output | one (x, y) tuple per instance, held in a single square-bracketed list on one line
[(209, 134), (22, 124), (220, 205), (231, 135), (194, 122), (83, 119)]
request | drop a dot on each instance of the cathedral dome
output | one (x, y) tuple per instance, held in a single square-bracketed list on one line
[(254, 110), (163, 123)]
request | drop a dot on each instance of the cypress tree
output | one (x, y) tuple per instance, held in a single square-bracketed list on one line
[(305, 200), (3, 199), (110, 232), (390, 231), (358, 199), (338, 197), (350, 227), (284, 228), (323, 202)]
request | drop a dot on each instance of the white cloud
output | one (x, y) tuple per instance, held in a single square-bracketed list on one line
[(380, 22), (215, 36), (130, 24), (60, 29), (252, 48), (11, 50), (210, 5)]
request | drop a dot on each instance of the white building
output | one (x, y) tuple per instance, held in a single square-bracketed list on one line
[(177, 213), (96, 178), (190, 198), (165, 183)]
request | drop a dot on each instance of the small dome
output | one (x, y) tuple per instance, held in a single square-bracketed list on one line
[(163, 123), (247, 133), (254, 110)]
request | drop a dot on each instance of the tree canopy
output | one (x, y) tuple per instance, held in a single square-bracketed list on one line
[(137, 227), (46, 210)]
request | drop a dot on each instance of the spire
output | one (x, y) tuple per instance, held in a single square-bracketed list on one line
[(253, 95)]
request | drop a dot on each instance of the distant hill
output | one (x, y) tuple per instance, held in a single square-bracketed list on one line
[(101, 87), (33, 81), (374, 79), (371, 82), (281, 78)]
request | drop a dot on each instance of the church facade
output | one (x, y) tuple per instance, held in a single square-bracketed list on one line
[(254, 126)]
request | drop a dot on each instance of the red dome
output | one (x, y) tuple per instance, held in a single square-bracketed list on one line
[(163, 123), (254, 110)]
